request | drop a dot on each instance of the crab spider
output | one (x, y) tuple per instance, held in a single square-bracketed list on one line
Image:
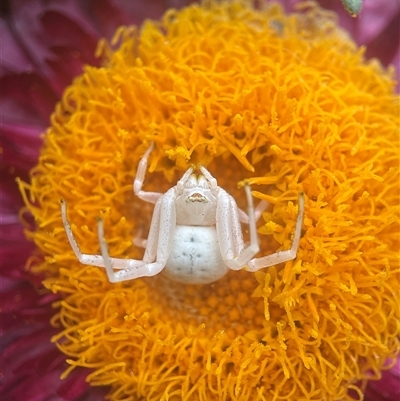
[(195, 234)]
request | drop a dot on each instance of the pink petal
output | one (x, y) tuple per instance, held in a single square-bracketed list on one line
[(29, 20), (20, 143), (12, 57), (385, 45), (74, 387), (36, 388), (15, 248), (26, 99), (386, 389)]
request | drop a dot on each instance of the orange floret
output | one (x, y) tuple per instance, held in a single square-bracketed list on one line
[(286, 102)]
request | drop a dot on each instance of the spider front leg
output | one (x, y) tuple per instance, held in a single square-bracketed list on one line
[(150, 197), (229, 231), (282, 256)]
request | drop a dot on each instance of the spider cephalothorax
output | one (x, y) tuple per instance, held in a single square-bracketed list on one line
[(196, 200), (195, 234)]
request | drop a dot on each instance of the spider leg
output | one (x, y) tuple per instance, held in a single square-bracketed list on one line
[(208, 176), (138, 239), (129, 268), (139, 242), (86, 259), (157, 248), (150, 197), (181, 183), (229, 232), (244, 218), (282, 256), (92, 260)]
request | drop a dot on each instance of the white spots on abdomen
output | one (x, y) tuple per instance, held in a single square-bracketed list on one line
[(195, 256)]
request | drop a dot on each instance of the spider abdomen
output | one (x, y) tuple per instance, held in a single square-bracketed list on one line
[(195, 256)]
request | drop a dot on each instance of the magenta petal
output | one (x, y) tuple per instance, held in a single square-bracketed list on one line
[(28, 27), (386, 389), (386, 44), (75, 388), (20, 144), (10, 203), (38, 388), (53, 359), (27, 98), (18, 298), (137, 11), (26, 103), (18, 360), (93, 394), (12, 57), (13, 327), (72, 47), (374, 18), (75, 385), (15, 248), (107, 15), (21, 354)]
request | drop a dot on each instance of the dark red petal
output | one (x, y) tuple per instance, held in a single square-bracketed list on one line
[(386, 389), (20, 355), (12, 58), (21, 297), (139, 10), (93, 394), (38, 388), (72, 46), (27, 98), (386, 44), (24, 20), (107, 15), (15, 248), (20, 144), (28, 19), (75, 386), (26, 102)]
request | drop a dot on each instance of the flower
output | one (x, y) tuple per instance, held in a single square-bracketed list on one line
[(229, 181), (277, 111)]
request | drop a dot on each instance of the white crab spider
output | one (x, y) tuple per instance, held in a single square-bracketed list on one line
[(195, 234)]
